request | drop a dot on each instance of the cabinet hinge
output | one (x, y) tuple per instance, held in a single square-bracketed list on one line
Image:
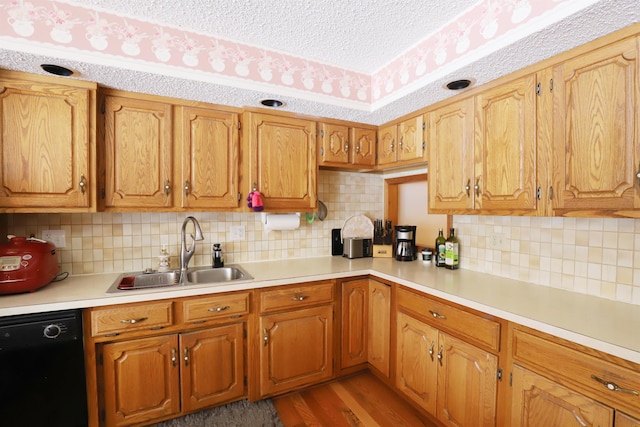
[(246, 382), (539, 193), (102, 107), (551, 85), (239, 196), (424, 145), (239, 125), (103, 193), (551, 193), (424, 126), (511, 379), (103, 416), (499, 374), (538, 89), (244, 333), (321, 133), (100, 359)]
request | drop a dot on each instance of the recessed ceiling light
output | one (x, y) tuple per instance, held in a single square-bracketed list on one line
[(458, 84), (274, 103), (57, 70)]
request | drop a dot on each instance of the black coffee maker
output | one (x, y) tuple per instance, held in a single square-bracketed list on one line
[(406, 243)]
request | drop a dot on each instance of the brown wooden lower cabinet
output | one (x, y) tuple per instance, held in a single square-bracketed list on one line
[(366, 323), (144, 378), (297, 349), (623, 420), (447, 377)]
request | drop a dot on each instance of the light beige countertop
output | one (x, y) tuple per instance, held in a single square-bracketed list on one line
[(599, 323)]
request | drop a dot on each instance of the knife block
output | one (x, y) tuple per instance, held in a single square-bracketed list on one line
[(382, 251)]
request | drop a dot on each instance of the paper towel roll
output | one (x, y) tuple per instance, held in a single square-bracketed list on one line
[(280, 221)]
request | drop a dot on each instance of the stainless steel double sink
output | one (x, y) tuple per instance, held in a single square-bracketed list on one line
[(194, 276)]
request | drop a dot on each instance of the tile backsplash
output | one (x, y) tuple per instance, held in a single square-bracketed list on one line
[(593, 256), (117, 242)]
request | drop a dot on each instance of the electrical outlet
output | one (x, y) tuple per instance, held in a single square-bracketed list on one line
[(57, 237), (237, 232), (496, 241)]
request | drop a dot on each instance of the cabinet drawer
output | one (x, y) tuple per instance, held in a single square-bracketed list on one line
[(576, 369), (201, 309), (297, 296), (474, 328), (116, 320)]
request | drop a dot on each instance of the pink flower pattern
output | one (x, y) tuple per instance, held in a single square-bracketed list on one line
[(88, 30)]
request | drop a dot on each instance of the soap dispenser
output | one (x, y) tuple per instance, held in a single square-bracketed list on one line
[(216, 255), (164, 260)]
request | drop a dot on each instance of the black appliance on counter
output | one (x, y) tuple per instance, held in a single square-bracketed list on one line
[(405, 247), (42, 373)]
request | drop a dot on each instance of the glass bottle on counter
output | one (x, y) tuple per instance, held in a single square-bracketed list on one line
[(440, 249), (452, 251)]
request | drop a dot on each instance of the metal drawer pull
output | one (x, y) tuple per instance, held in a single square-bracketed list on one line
[(218, 309), (440, 355), (173, 357), (265, 337), (433, 344), (132, 321), (299, 297), (437, 315), (186, 356), (614, 387)]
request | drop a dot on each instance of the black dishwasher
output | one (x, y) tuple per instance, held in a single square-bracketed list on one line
[(42, 376)]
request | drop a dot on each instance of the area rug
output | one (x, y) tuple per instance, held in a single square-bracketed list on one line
[(237, 414)]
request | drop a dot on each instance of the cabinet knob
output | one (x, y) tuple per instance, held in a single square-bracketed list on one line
[(468, 188), (167, 187), (186, 356), (431, 349), (265, 337), (174, 358), (477, 187), (187, 188), (440, 355)]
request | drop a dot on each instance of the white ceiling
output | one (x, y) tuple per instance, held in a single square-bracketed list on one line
[(359, 35)]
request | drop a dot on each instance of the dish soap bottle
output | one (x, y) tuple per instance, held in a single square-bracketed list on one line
[(452, 251), (218, 260), (164, 262)]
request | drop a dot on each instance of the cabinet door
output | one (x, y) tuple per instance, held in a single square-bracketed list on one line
[(451, 161), (467, 384), (411, 143), (595, 130), (282, 161), (45, 143), (538, 401), (355, 312), (623, 420), (379, 325), (138, 153), (334, 144), (363, 146), (416, 366), (387, 140), (505, 146), (141, 380), (212, 366), (209, 158), (296, 349)]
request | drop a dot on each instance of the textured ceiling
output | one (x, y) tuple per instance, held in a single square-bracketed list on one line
[(357, 35)]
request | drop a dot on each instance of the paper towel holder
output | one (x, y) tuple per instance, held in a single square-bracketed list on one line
[(264, 216)]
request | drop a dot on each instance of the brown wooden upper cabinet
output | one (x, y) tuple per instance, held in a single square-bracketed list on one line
[(402, 143), (346, 147), (595, 132), (167, 156), (47, 144), (279, 160), (483, 152), (210, 158), (138, 144)]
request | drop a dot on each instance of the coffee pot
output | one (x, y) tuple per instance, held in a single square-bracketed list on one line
[(405, 247)]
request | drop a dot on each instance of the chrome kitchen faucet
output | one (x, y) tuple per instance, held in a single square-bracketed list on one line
[(186, 254)]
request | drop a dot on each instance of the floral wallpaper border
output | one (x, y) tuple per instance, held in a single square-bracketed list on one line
[(69, 24)]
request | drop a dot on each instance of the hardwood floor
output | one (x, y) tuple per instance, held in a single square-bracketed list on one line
[(361, 400)]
